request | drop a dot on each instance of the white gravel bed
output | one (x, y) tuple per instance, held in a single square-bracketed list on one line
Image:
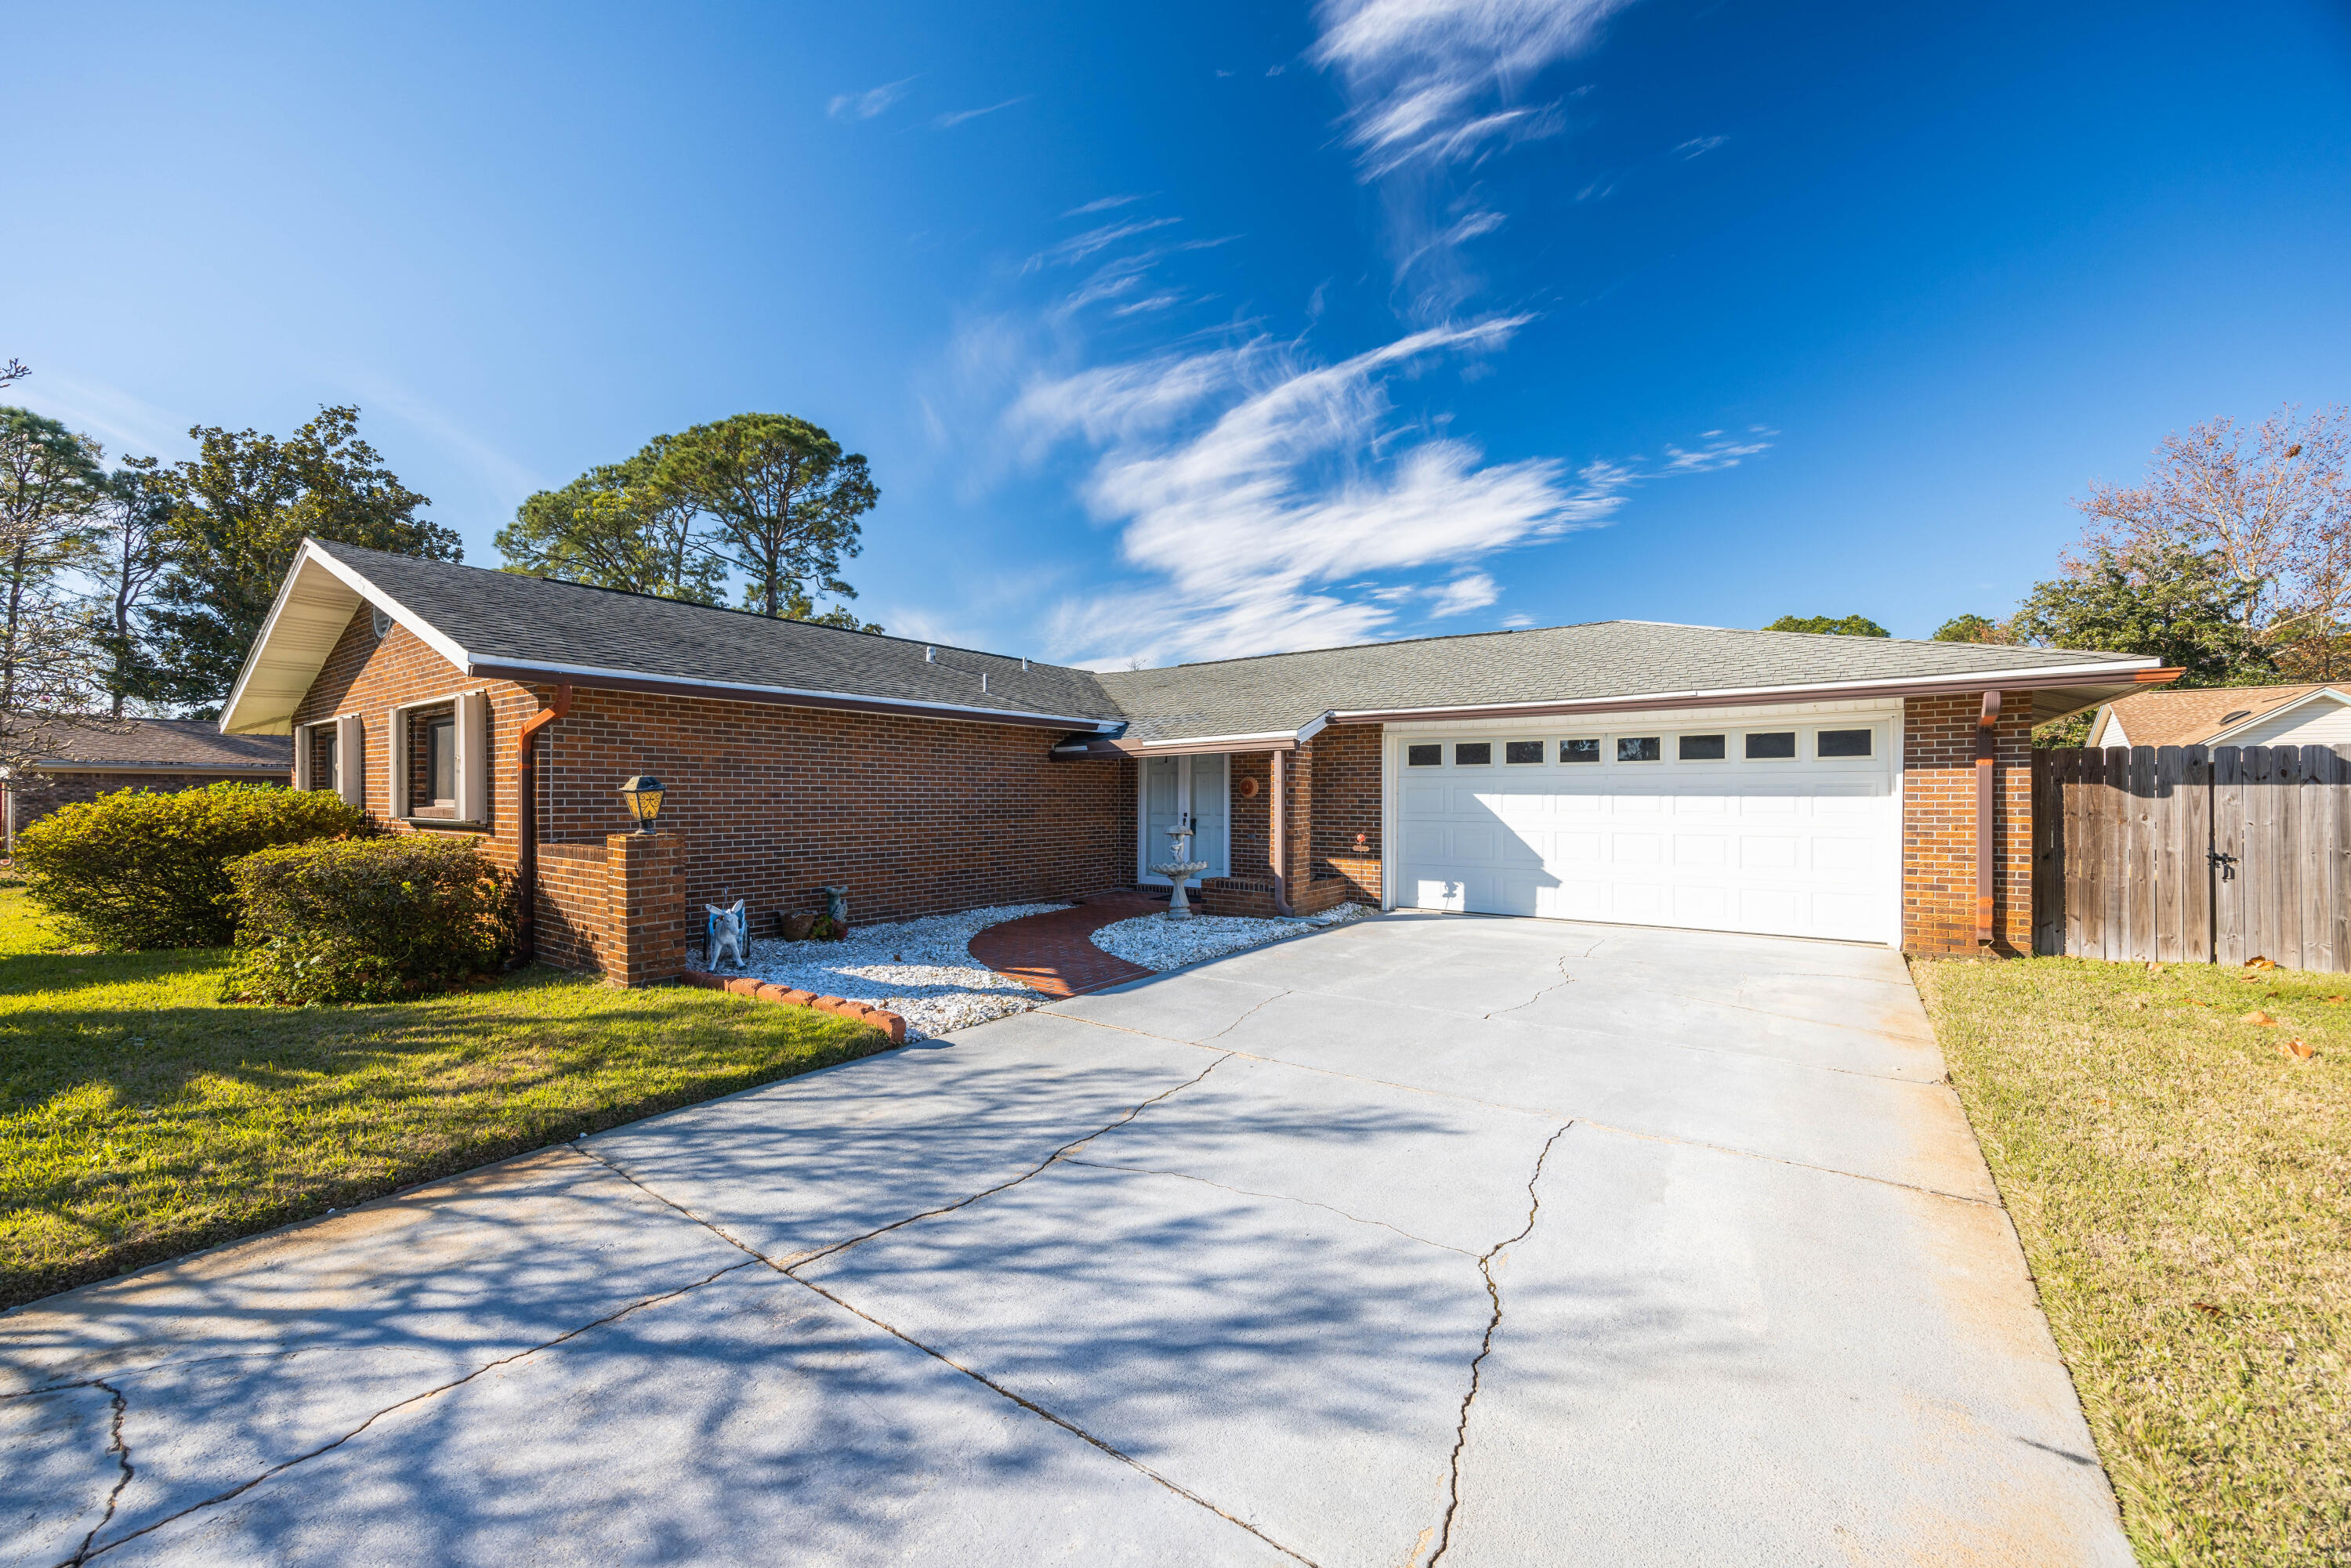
[(1157, 943), (922, 969)]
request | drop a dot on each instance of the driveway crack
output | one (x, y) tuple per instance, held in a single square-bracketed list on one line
[(1486, 1346), (1565, 979), (122, 1452), (124, 1456), (1245, 1016)]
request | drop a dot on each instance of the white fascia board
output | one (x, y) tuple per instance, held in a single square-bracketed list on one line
[(1314, 726), (424, 631), (1980, 681), (1259, 740), (253, 656), (587, 674)]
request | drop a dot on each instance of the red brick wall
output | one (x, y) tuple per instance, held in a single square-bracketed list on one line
[(1938, 824), (1347, 760), (915, 816)]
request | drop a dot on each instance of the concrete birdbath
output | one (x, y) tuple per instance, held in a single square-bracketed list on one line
[(1179, 871)]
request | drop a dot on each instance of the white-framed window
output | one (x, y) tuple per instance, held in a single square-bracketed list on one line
[(440, 758), (331, 755)]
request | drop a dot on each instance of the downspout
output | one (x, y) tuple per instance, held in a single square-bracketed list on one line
[(1987, 726), (1279, 810), (527, 821)]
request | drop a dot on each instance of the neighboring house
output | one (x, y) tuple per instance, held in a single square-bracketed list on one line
[(2227, 715), (81, 762), (1626, 770)]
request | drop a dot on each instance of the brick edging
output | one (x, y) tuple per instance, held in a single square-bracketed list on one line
[(888, 1022)]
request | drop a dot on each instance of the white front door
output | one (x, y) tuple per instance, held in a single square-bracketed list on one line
[(1184, 791), (1787, 825)]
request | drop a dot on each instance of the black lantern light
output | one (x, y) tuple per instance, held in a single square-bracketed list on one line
[(644, 794)]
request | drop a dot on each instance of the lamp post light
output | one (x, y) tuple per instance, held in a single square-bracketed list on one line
[(643, 793)]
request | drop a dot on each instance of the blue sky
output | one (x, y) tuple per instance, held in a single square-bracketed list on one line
[(1189, 331)]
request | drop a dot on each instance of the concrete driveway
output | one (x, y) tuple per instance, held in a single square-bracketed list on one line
[(1484, 1241)]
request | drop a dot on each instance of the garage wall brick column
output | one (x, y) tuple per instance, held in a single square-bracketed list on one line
[(1938, 824)]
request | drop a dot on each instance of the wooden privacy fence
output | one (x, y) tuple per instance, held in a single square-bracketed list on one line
[(2181, 853)]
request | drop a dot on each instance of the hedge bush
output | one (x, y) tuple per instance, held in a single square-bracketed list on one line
[(138, 868), (366, 920)]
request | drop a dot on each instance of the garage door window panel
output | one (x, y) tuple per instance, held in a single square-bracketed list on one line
[(1772, 745), (1517, 753), (1474, 754), (1640, 748), (1424, 756), (1699, 748), (1579, 750), (1844, 743)]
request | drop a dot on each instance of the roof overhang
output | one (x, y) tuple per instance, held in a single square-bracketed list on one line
[(1196, 745), (71, 765), (320, 594)]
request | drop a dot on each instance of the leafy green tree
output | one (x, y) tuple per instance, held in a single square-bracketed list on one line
[(49, 482), (2169, 600), (785, 502), (242, 506), (1830, 625), (1970, 627), (130, 548), (618, 526)]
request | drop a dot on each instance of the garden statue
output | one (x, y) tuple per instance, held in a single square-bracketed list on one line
[(729, 932), (1178, 870)]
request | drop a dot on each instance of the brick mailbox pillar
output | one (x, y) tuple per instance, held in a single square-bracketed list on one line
[(645, 876)]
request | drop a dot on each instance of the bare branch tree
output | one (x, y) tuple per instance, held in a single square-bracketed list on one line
[(14, 370), (2270, 506)]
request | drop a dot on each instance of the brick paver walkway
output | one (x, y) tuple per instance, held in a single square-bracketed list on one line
[(1053, 953)]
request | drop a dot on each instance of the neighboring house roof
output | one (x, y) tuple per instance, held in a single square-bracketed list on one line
[(182, 745), (2201, 716), (1595, 665), (504, 626)]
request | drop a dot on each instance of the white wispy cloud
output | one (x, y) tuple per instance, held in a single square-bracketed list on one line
[(1100, 205), (1437, 81), (1093, 241), (853, 106), (1260, 493), (949, 121), (1699, 146)]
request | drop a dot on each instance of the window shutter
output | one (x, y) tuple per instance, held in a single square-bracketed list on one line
[(302, 757), (399, 756), (473, 737), (351, 760)]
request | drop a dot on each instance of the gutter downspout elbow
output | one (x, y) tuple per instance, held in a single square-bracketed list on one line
[(1987, 730), (1277, 809), (527, 821)]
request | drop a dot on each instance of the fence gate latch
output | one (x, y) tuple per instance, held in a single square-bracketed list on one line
[(2227, 863)]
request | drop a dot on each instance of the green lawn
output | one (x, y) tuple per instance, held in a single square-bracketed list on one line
[(2183, 1188), (141, 1118)]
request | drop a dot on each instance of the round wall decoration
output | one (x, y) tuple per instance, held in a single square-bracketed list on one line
[(1249, 788)]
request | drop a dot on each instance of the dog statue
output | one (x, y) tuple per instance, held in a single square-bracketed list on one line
[(730, 933)]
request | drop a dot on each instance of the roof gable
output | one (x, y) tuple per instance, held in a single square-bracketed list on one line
[(2206, 715)]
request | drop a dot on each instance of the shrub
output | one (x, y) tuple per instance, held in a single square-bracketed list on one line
[(138, 869), (366, 920)]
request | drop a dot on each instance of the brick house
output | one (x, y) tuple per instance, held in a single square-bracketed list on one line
[(82, 762), (1840, 788)]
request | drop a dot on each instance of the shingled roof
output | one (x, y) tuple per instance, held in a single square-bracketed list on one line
[(2200, 714), (1597, 661), (506, 626), (190, 745)]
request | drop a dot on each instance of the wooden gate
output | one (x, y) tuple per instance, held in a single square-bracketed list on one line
[(2184, 854)]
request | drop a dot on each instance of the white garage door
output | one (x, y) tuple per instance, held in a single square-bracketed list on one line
[(1783, 826)]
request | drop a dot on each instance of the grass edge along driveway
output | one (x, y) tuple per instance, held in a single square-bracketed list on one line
[(2181, 1181), (141, 1118)]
